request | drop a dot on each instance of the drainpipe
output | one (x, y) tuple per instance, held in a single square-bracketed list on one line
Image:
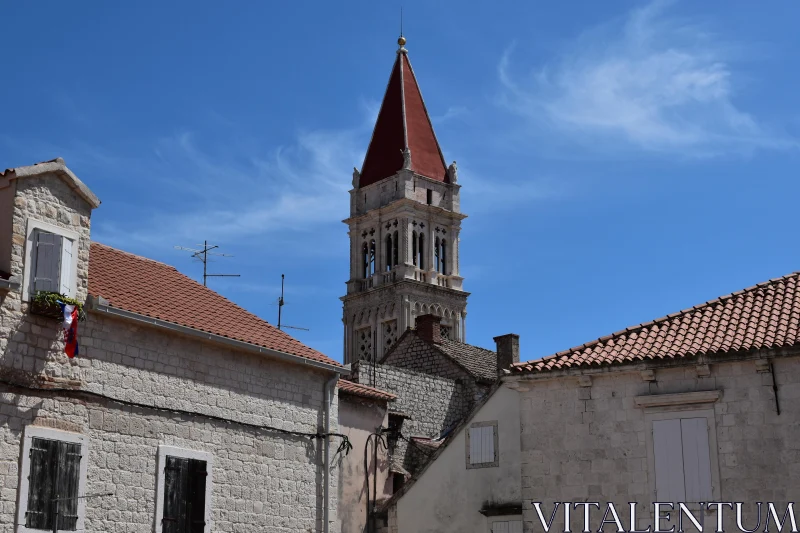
[(329, 386)]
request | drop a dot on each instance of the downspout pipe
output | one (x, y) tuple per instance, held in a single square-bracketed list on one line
[(326, 453)]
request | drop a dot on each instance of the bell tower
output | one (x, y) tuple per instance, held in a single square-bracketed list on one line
[(404, 227)]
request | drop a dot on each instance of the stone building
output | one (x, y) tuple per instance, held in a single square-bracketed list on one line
[(404, 226), (698, 406), (182, 412), (404, 313)]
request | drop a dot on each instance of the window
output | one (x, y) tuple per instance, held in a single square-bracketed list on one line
[(52, 479), (682, 460), (414, 247), (507, 526), (372, 257), (421, 250), (429, 194), (443, 256), (51, 260), (389, 252), (365, 261), (395, 249), (482, 445), (436, 256), (183, 499)]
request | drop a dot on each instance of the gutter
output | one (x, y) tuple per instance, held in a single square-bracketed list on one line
[(94, 305), (330, 386)]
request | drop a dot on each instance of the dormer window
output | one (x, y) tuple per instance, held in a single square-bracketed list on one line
[(51, 260)]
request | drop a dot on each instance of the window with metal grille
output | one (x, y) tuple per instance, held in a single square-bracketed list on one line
[(184, 495), (53, 481)]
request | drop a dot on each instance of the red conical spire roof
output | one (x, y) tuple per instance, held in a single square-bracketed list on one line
[(403, 123)]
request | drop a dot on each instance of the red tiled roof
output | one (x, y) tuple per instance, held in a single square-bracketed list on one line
[(357, 389), (157, 290), (403, 122), (766, 315)]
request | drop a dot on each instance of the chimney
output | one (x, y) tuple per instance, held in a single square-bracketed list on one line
[(429, 328), (507, 351)]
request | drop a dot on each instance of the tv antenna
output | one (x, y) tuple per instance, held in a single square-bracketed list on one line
[(280, 305), (202, 255)]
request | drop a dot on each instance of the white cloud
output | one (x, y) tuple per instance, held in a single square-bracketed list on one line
[(653, 81), (229, 195)]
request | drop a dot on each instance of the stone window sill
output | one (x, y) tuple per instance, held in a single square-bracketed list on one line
[(677, 400)]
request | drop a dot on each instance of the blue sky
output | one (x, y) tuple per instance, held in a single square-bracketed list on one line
[(620, 160)]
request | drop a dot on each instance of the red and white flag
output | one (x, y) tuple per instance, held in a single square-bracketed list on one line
[(70, 329)]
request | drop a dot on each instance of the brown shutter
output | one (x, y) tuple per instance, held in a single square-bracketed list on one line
[(41, 484)]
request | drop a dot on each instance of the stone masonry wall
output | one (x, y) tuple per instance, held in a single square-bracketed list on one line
[(413, 353), (591, 443), (261, 479), (48, 198), (433, 403)]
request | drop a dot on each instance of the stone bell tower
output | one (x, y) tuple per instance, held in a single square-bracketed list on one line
[(404, 228)]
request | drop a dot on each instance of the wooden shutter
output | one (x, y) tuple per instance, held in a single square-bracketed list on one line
[(515, 526), (68, 470), (47, 261), (197, 496), (696, 460), (176, 477), (668, 451), (184, 496), (475, 453), (487, 444), (65, 276), (41, 484)]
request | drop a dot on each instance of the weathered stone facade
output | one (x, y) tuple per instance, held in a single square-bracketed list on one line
[(587, 435), (433, 404), (400, 289), (137, 386)]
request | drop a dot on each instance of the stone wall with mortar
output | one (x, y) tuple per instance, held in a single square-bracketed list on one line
[(588, 441), (262, 480)]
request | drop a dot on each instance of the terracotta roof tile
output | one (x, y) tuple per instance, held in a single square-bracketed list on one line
[(763, 316), (157, 290), (357, 389)]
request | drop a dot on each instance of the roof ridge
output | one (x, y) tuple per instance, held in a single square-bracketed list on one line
[(639, 327)]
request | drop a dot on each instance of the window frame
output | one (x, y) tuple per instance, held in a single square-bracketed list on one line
[(495, 434), (679, 412), (30, 255), (41, 432), (161, 463), (503, 518)]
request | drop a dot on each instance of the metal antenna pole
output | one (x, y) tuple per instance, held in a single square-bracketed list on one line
[(280, 302), (202, 255)]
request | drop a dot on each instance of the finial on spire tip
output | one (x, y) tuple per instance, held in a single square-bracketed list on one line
[(401, 41)]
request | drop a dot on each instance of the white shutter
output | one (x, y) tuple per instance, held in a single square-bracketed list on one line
[(500, 527), (487, 444), (65, 286), (667, 448), (696, 460), (475, 456), (515, 526)]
